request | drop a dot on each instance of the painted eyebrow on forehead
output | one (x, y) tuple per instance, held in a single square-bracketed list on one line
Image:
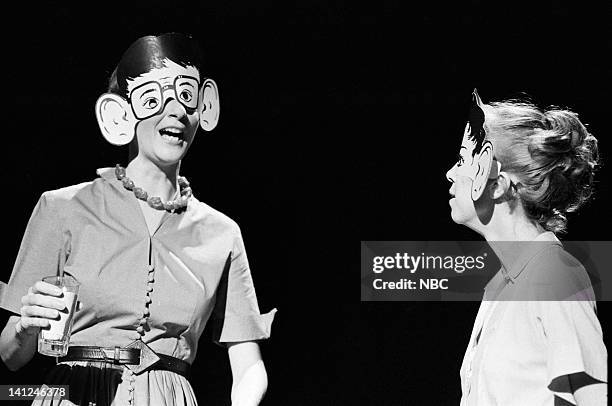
[(152, 90), (187, 83)]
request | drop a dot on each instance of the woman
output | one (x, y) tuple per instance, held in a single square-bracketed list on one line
[(154, 263), (536, 339)]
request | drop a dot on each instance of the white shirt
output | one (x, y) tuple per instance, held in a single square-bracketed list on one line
[(537, 322)]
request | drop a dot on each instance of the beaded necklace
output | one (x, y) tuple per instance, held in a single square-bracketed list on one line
[(156, 202)]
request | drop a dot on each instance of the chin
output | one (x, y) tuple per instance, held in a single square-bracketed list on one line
[(167, 159), (455, 219), (170, 154), (458, 217)]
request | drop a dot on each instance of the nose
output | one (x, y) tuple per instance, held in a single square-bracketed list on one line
[(450, 175), (174, 108)]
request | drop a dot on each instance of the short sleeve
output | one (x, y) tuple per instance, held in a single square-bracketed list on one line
[(236, 316), (41, 254), (574, 341)]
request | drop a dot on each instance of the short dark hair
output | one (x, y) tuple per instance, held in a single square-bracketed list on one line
[(148, 53)]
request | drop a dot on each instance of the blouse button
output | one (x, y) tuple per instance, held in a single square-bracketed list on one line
[(151, 277), (148, 299), (149, 288), (150, 268), (145, 312), (140, 330), (143, 321)]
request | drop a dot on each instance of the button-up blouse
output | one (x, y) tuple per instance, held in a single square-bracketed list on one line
[(97, 233), (536, 324)]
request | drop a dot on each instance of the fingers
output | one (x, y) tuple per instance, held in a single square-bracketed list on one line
[(46, 288), (38, 311), (44, 296), (28, 323), (35, 317), (34, 299), (42, 303)]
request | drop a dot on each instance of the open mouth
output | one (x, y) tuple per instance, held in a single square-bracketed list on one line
[(172, 135)]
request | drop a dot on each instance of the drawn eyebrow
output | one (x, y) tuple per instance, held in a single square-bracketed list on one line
[(187, 83), (147, 91)]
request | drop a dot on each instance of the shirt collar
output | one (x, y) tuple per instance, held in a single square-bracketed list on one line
[(515, 255), (106, 173)]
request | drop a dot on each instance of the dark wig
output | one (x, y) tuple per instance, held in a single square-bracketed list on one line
[(148, 53)]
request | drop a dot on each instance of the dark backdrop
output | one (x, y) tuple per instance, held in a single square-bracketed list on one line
[(338, 123)]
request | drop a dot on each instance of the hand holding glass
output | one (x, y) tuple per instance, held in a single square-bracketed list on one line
[(54, 339)]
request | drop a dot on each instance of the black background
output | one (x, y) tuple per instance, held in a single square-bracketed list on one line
[(338, 123)]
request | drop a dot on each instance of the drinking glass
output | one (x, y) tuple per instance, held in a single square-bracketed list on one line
[(53, 341)]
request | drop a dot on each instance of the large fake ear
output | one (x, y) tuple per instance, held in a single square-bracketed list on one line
[(209, 105), (115, 118), (483, 162)]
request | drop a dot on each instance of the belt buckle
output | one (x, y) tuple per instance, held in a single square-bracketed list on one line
[(148, 357)]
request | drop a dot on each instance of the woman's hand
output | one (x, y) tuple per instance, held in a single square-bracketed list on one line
[(18, 338), (42, 303)]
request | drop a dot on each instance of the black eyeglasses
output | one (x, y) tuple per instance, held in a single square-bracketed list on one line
[(147, 99)]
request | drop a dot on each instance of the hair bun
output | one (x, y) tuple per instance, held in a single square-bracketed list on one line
[(566, 128), (551, 152), (575, 154)]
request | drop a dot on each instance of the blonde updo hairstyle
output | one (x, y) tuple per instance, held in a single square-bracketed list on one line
[(550, 152)]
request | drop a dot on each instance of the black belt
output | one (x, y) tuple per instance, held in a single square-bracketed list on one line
[(128, 356)]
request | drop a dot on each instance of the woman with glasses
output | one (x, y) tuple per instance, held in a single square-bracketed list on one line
[(155, 264), (536, 339)]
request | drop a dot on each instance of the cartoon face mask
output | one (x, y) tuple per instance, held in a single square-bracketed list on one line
[(148, 99), (134, 99), (476, 160)]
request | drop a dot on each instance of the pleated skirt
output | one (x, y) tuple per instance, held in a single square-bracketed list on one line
[(103, 384)]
